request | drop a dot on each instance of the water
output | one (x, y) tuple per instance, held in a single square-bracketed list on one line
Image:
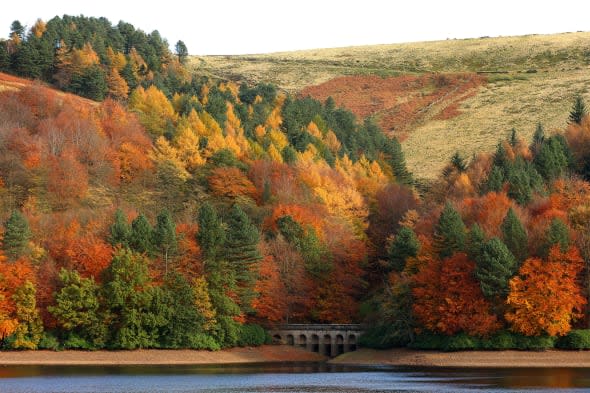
[(300, 378)]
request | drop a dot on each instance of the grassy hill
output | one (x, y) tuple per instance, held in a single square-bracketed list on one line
[(529, 79)]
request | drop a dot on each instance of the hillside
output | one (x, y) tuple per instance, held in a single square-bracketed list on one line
[(530, 79)]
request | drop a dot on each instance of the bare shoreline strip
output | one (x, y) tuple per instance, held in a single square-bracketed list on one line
[(466, 359), (263, 354)]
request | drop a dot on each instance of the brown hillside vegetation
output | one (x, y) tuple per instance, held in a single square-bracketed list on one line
[(400, 102)]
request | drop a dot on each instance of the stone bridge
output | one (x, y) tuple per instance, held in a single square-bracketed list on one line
[(329, 340)]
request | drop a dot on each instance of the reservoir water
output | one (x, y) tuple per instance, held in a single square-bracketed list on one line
[(300, 378)]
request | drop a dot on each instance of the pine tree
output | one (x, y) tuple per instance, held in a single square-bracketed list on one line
[(458, 162), (538, 138), (551, 160), (494, 267), (515, 236), (181, 51), (120, 232), (165, 236), (513, 137), (404, 245), (141, 236), (16, 235), (211, 235), (476, 239), (557, 233), (449, 232), (494, 181), (242, 254), (398, 163), (578, 111)]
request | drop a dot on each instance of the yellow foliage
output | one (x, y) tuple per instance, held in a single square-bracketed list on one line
[(203, 302), (205, 94), (332, 142), (278, 138), (211, 125), (153, 108), (260, 132), (274, 154), (313, 129), (164, 153), (187, 145), (116, 59), (39, 28)]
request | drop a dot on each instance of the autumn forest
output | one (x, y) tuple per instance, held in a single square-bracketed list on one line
[(143, 205)]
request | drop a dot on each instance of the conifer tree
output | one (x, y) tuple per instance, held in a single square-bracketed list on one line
[(557, 234), (16, 235), (458, 162), (515, 236), (398, 162), (211, 235), (120, 232), (578, 111), (495, 180), (404, 245), (141, 236), (494, 268), (165, 236), (538, 138), (449, 232), (476, 239)]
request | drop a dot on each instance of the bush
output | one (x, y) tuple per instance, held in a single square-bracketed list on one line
[(382, 337), (203, 341), (534, 343), (499, 341), (251, 335), (76, 342), (429, 341), (460, 342), (575, 339), (48, 341)]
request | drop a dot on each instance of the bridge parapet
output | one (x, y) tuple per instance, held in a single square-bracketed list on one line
[(327, 339)]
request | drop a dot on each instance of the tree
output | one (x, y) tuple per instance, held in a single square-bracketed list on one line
[(28, 332), (141, 236), (17, 28), (557, 234), (495, 180), (398, 162), (476, 239), (211, 235), (538, 138), (90, 83), (552, 159), (494, 268), (514, 236), (449, 232), (458, 162), (16, 235), (76, 308), (545, 297), (271, 303), (181, 51), (242, 253), (404, 245), (117, 86), (578, 111), (120, 232), (165, 235)]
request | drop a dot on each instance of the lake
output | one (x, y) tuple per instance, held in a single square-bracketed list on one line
[(286, 378)]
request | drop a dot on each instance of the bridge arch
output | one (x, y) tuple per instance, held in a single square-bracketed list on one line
[(329, 339), (302, 341)]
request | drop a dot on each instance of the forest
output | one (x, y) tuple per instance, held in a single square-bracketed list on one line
[(145, 206)]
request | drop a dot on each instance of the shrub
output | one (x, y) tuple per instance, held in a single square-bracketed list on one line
[(382, 337), (499, 341), (48, 341), (534, 343), (429, 341), (203, 341), (251, 335), (575, 339), (460, 342), (76, 342)]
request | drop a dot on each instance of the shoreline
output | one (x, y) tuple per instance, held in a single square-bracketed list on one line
[(144, 357), (402, 357)]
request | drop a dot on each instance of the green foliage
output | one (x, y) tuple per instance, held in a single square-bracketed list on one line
[(460, 342), (181, 51), (578, 111), (398, 162), (458, 162), (514, 236), (76, 309), (534, 343), (90, 83), (476, 239), (120, 232), (203, 341), (16, 235), (495, 180), (494, 267), (552, 159), (48, 341), (381, 336), (557, 234), (523, 179), (428, 340), (289, 155), (404, 245), (575, 339), (141, 238), (211, 235), (30, 327), (251, 335), (449, 232), (499, 341), (164, 235)]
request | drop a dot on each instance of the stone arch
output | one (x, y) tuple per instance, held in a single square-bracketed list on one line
[(339, 344), (327, 344), (315, 343), (303, 341), (277, 339), (351, 342), (290, 339)]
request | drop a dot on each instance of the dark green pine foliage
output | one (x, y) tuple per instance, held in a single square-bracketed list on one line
[(141, 236), (289, 155), (404, 245), (578, 111), (494, 267), (515, 236), (557, 234), (476, 239), (501, 158), (4, 57), (120, 232), (165, 236), (449, 232), (16, 235), (552, 159), (398, 163), (494, 181), (211, 235), (181, 51), (91, 83), (523, 180), (513, 137), (458, 162), (242, 254), (538, 138)]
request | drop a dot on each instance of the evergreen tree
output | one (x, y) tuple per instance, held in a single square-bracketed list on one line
[(181, 51), (494, 267), (30, 327), (515, 236), (141, 236), (557, 234), (120, 232), (458, 162), (476, 239), (538, 138), (404, 245), (4, 57), (449, 232), (578, 111), (211, 235), (16, 235), (513, 137), (398, 163), (552, 159), (289, 155), (165, 236), (495, 180), (242, 253), (501, 158), (17, 29), (90, 83)]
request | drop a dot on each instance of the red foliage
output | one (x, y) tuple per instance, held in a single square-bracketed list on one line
[(230, 182), (488, 211), (271, 304)]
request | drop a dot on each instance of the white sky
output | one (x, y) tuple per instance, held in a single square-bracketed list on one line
[(260, 26)]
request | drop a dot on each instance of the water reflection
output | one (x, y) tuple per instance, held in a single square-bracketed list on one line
[(286, 378)]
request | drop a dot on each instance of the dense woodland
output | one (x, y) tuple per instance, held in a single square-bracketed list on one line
[(177, 211)]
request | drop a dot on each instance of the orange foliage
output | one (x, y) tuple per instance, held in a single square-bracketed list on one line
[(67, 179), (271, 304), (230, 182), (310, 215), (449, 299), (546, 297), (488, 211), (189, 260)]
